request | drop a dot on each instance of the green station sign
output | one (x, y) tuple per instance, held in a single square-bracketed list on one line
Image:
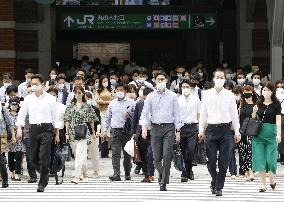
[(106, 21)]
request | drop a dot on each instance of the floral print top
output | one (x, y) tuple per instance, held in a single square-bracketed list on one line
[(79, 116)]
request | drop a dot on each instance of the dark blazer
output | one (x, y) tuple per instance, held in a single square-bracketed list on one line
[(64, 97), (135, 127)]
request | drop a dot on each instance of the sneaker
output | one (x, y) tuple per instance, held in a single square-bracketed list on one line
[(83, 176), (96, 174), (75, 181), (85, 179), (233, 177)]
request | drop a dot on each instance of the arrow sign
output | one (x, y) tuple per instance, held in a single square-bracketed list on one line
[(211, 21), (69, 20)]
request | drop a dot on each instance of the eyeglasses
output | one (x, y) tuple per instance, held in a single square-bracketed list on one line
[(160, 79)]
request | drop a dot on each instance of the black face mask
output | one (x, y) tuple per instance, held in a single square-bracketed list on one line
[(247, 95)]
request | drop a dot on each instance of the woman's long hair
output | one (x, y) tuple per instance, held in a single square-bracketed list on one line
[(100, 88), (79, 88), (271, 87), (254, 96)]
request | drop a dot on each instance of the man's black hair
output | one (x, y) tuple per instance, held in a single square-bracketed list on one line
[(39, 77)]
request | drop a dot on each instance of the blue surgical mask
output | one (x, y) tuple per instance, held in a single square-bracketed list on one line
[(161, 86)]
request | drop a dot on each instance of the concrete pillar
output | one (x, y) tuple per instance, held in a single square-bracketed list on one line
[(244, 45), (275, 12), (44, 39)]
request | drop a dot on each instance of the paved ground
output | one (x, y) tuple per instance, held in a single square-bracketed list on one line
[(101, 189)]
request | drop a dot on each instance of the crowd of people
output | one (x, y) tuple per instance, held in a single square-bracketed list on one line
[(114, 2), (96, 107)]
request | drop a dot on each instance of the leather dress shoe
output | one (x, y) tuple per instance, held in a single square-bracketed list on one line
[(127, 177), (148, 179), (40, 189), (213, 190), (191, 175), (163, 187), (219, 192), (184, 179), (5, 184), (115, 178)]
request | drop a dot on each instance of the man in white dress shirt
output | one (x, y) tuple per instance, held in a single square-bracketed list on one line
[(22, 88), (41, 109), (189, 106), (218, 113)]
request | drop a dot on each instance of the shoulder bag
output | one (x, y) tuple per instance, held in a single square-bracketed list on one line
[(252, 126)]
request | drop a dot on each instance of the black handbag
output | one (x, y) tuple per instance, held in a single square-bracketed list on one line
[(80, 132), (178, 158), (252, 126)]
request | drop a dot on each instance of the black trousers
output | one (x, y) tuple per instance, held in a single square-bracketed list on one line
[(3, 168), (31, 170), (188, 143), (118, 139), (232, 157), (146, 153), (40, 139), (218, 138), (15, 161)]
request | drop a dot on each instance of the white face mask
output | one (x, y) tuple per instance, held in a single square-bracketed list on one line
[(131, 95), (237, 97), (256, 82), (200, 74), (60, 86), (14, 107), (89, 102), (96, 85), (120, 95), (142, 80), (53, 76), (266, 94), (105, 84), (280, 93), (186, 91), (7, 84), (225, 65), (229, 76), (161, 86), (134, 78), (140, 93), (113, 81), (241, 81), (91, 88), (219, 83), (179, 75), (36, 88)]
